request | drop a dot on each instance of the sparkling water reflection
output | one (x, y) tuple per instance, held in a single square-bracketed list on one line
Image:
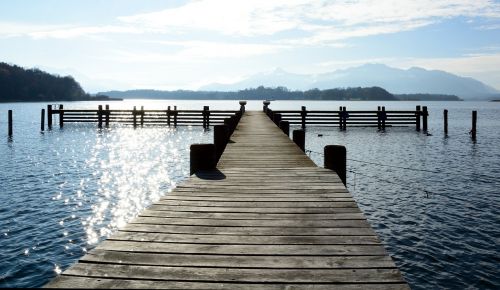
[(63, 191)]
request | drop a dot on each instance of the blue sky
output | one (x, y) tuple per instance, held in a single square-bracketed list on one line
[(128, 44)]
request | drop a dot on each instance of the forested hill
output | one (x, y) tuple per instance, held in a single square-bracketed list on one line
[(261, 93), (18, 84)]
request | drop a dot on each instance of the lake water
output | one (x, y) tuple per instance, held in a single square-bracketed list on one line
[(433, 200)]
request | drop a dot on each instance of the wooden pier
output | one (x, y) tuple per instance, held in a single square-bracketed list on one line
[(266, 218)]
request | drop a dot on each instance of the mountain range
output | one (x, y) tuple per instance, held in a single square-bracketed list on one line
[(397, 81)]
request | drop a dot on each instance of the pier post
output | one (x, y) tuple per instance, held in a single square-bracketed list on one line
[(417, 118), (285, 127), (202, 157), (266, 106), (9, 119), (474, 124), (303, 114), (242, 106), (61, 116), (379, 121), (168, 116), (340, 117), (142, 116), (425, 113), (445, 117), (205, 115), (276, 118), (107, 116), (175, 116), (383, 116), (99, 116), (270, 113), (42, 120), (336, 160), (299, 137), (344, 118), (49, 117), (134, 113), (221, 133)]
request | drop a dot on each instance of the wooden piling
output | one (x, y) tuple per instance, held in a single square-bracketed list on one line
[(134, 113), (335, 159), (383, 116), (99, 116), (445, 117), (175, 116), (61, 116), (206, 116), (168, 116), (42, 120), (344, 118), (107, 115), (221, 138), (473, 131), (425, 113), (276, 118), (242, 106), (202, 157), (49, 117), (142, 116), (340, 117), (9, 121), (266, 106), (379, 121), (418, 113), (299, 137), (303, 114), (285, 127)]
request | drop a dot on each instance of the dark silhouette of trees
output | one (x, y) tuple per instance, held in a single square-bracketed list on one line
[(33, 85)]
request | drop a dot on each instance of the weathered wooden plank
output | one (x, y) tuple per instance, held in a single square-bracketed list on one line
[(300, 210), (110, 283), (255, 216), (242, 239), (298, 223), (258, 204), (251, 231), (236, 274)]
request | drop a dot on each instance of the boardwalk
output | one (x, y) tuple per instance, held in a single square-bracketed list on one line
[(268, 218)]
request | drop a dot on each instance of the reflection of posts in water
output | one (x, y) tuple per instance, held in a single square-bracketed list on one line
[(335, 159)]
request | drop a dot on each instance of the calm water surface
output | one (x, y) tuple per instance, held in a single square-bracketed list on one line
[(434, 200)]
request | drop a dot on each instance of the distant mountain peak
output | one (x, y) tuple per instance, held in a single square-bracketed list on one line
[(397, 81)]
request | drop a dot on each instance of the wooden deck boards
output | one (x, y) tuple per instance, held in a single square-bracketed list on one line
[(268, 218)]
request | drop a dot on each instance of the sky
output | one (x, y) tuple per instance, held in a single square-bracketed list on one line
[(167, 45)]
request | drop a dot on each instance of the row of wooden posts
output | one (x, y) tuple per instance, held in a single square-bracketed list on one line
[(167, 117), (276, 117), (380, 118)]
